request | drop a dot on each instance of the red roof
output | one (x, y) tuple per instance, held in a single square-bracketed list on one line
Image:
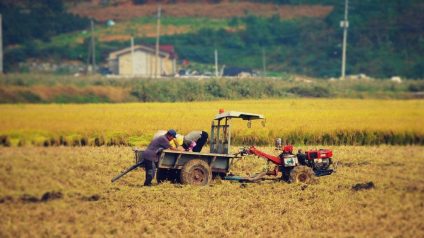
[(168, 49)]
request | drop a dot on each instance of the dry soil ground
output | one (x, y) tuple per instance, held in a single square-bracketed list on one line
[(66, 192)]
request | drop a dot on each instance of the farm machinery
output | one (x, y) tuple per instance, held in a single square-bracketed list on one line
[(302, 167), (198, 168)]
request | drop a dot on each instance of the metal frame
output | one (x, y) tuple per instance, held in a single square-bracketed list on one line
[(220, 146), (220, 138), (171, 159)]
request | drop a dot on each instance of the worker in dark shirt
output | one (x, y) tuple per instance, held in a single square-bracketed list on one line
[(151, 154)]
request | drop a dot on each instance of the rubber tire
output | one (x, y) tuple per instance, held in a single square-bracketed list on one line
[(196, 172), (302, 174)]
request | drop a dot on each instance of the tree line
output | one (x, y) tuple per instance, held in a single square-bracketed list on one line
[(384, 39)]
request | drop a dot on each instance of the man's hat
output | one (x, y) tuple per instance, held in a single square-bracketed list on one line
[(172, 133)]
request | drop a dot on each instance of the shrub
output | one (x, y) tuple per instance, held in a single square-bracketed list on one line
[(139, 2), (315, 91)]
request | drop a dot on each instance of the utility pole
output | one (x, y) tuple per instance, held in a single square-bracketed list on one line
[(132, 56), (1, 45), (157, 61), (93, 46), (264, 62), (216, 63), (344, 24)]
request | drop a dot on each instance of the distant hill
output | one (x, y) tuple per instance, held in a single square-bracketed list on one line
[(385, 38), (25, 20), (126, 10)]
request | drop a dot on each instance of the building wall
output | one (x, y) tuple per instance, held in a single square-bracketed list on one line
[(168, 66), (144, 64), (125, 64)]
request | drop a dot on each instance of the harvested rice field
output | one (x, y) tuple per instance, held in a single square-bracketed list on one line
[(377, 191)]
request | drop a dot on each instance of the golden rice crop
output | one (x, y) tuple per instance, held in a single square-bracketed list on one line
[(301, 121), (83, 202)]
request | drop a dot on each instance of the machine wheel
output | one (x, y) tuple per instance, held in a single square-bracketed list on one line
[(302, 174), (196, 172)]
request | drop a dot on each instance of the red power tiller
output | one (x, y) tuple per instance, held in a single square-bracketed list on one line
[(301, 167)]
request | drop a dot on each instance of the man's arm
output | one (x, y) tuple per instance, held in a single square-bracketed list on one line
[(173, 146), (179, 148)]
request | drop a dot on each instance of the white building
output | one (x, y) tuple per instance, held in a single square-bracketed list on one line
[(141, 61)]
